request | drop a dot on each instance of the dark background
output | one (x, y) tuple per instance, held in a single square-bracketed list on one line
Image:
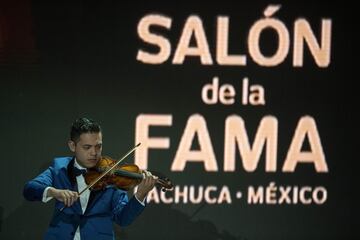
[(60, 60)]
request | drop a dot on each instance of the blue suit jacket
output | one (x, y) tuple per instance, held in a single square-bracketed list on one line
[(104, 207)]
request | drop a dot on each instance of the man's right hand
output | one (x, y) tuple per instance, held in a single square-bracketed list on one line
[(63, 195)]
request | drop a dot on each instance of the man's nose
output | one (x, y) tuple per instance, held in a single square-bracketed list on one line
[(93, 152)]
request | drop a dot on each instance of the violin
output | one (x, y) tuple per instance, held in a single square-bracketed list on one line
[(109, 172), (125, 176)]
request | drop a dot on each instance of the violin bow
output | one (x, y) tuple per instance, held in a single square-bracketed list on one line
[(107, 171)]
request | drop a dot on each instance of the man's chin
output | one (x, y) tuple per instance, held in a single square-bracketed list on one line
[(91, 163)]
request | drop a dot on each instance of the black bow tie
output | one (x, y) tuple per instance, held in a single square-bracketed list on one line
[(78, 171)]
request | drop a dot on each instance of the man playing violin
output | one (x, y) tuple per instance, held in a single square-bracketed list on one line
[(92, 216)]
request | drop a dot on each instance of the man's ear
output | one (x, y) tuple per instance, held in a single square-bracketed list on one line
[(71, 145)]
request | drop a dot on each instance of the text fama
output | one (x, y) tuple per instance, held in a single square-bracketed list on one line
[(235, 137)]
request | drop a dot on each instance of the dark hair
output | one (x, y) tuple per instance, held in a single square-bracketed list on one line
[(83, 125)]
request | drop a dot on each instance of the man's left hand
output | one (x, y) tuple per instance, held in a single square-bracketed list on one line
[(146, 185)]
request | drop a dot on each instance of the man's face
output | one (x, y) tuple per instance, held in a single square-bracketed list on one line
[(88, 149)]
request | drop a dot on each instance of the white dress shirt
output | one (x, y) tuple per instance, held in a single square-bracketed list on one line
[(84, 197)]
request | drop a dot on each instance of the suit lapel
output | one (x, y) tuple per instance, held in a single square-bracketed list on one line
[(72, 179), (70, 172), (93, 198)]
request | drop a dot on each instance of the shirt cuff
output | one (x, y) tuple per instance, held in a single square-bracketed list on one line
[(45, 199), (141, 202)]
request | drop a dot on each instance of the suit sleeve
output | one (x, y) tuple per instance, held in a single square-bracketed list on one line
[(34, 189), (125, 211)]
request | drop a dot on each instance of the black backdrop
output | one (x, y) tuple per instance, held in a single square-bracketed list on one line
[(62, 60)]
